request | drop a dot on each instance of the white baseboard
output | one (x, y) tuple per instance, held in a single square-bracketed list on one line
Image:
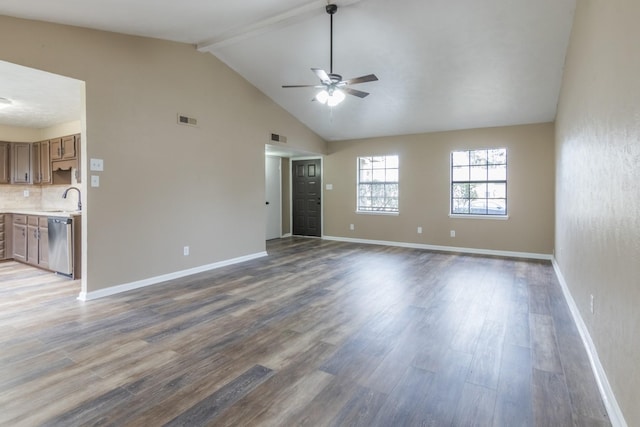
[(528, 255), (611, 404), (112, 290), (286, 235)]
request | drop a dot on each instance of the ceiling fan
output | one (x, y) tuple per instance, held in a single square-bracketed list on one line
[(332, 85)]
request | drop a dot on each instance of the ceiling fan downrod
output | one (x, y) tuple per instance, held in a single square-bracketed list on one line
[(331, 10)]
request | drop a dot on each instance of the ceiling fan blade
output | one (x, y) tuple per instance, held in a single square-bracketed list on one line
[(322, 75), (288, 86), (362, 79), (354, 92)]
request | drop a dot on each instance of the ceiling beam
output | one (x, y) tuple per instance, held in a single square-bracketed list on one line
[(289, 17)]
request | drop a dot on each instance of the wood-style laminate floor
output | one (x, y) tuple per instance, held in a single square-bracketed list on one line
[(318, 333)]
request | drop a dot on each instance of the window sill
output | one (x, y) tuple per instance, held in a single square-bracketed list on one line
[(465, 216), (377, 213)]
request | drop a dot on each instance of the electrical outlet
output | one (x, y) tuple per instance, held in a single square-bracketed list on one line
[(352, 227), (452, 233), (591, 303), (25, 193), (185, 251), (419, 230), (95, 180)]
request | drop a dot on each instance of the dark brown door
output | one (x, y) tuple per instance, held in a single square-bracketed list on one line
[(306, 197)]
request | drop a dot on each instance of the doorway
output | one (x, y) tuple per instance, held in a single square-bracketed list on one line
[(307, 202), (273, 194)]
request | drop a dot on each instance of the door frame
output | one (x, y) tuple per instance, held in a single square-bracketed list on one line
[(279, 184), (291, 160)]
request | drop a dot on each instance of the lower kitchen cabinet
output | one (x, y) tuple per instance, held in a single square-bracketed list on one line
[(37, 241), (20, 238), (31, 240)]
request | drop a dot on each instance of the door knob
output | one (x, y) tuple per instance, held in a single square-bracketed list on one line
[(267, 203)]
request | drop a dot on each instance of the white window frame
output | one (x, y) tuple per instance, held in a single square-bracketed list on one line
[(487, 180), (378, 209)]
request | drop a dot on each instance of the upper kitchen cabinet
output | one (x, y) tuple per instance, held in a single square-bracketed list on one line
[(5, 177), (41, 163), (64, 148), (20, 163), (65, 156)]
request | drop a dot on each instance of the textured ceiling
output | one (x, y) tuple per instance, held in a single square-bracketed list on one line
[(442, 64)]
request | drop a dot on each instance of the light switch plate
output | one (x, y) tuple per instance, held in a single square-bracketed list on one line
[(329, 186), (96, 165), (95, 181)]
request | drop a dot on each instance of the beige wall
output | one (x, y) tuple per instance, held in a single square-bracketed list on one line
[(164, 186), (598, 186), (424, 190)]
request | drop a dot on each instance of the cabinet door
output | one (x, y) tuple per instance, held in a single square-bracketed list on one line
[(5, 178), (43, 244), (32, 244), (69, 147), (21, 163), (35, 163), (20, 242), (45, 163), (55, 149)]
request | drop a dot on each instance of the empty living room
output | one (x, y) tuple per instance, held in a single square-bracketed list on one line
[(323, 213)]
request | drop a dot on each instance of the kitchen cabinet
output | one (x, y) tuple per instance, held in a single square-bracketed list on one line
[(2, 237), (37, 241), (63, 148), (65, 156), (20, 238), (41, 163), (5, 177), (20, 163)]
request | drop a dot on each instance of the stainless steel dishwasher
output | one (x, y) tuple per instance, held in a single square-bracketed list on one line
[(61, 245)]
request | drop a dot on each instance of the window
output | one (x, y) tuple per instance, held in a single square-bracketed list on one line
[(378, 184), (479, 182)]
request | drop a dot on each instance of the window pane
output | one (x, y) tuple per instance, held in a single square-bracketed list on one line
[(366, 175), (498, 173), (460, 158), (478, 206), (460, 206), (478, 173), (477, 191), (460, 173), (378, 175), (478, 157), (391, 190), (365, 162), (460, 191), (392, 175), (364, 190), (378, 162), (498, 156), (497, 206), (392, 162), (497, 191)]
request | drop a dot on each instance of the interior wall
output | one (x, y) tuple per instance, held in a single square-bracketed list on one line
[(425, 189), (598, 190), (165, 186)]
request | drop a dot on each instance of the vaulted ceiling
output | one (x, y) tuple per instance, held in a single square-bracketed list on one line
[(441, 64)]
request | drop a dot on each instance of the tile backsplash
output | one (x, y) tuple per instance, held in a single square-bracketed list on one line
[(39, 197)]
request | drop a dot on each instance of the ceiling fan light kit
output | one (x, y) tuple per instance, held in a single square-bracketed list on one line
[(333, 87)]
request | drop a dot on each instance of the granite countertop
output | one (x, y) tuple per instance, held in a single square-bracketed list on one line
[(46, 212)]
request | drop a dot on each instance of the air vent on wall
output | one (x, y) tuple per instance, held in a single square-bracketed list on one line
[(278, 138), (189, 121)]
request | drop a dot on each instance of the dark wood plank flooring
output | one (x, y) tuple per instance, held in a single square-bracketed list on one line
[(318, 333)]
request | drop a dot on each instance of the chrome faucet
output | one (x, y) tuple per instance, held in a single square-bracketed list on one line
[(64, 196)]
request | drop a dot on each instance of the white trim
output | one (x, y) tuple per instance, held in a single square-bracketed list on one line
[(611, 404), (468, 216), (286, 235), (377, 213), (528, 255), (112, 290)]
